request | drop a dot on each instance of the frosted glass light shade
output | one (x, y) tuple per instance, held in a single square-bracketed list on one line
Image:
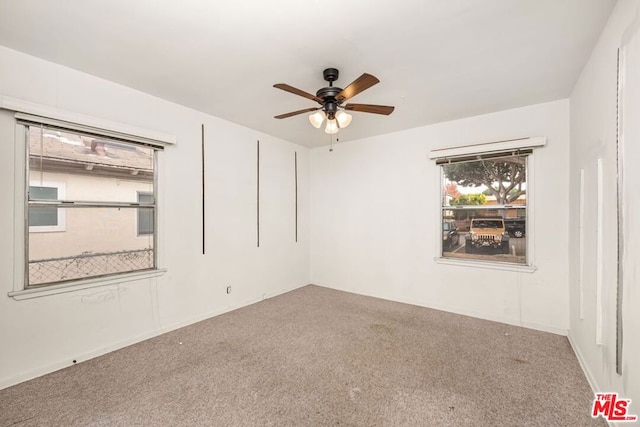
[(343, 119), (332, 126), (317, 118)]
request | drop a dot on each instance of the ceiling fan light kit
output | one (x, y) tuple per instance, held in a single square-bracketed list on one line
[(331, 98), (332, 126), (317, 118), (343, 118)]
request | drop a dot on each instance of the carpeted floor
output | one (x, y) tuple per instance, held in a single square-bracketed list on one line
[(319, 357)]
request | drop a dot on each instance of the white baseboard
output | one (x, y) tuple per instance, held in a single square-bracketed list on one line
[(61, 364), (470, 313), (591, 379), (587, 373)]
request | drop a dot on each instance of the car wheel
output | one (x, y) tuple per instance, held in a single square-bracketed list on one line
[(518, 233)]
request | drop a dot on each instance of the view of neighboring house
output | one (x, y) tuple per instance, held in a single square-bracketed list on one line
[(511, 212), (102, 181)]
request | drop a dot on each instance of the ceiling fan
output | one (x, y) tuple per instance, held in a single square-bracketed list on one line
[(331, 98)]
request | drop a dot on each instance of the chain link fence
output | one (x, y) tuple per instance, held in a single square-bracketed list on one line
[(88, 265)]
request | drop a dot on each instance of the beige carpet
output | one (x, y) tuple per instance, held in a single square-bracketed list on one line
[(319, 357)]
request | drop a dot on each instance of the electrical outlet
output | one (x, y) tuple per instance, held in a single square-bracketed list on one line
[(228, 289)]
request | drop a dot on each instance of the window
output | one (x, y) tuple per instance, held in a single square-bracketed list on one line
[(484, 204), (46, 218), (145, 215), (100, 193), (483, 198)]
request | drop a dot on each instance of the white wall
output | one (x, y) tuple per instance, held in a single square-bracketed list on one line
[(593, 136), (43, 334), (375, 220)]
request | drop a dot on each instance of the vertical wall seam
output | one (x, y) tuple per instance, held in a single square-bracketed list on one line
[(620, 211), (295, 159), (581, 247), (258, 193), (203, 192), (599, 252)]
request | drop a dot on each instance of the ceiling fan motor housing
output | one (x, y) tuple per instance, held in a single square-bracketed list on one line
[(328, 94), (330, 74)]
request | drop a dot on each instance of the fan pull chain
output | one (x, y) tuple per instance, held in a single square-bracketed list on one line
[(331, 141)]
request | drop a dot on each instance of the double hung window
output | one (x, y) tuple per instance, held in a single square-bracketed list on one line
[(90, 205), (485, 201)]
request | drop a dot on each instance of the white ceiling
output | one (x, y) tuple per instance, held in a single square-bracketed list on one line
[(437, 60)]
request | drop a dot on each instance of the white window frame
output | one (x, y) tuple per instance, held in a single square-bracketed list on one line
[(79, 122), (62, 217), (468, 151)]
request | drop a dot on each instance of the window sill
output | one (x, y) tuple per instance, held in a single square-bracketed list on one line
[(83, 284), (486, 264)]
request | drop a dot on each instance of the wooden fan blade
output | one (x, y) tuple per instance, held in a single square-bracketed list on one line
[(360, 84), (368, 108), (296, 91), (295, 113)]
